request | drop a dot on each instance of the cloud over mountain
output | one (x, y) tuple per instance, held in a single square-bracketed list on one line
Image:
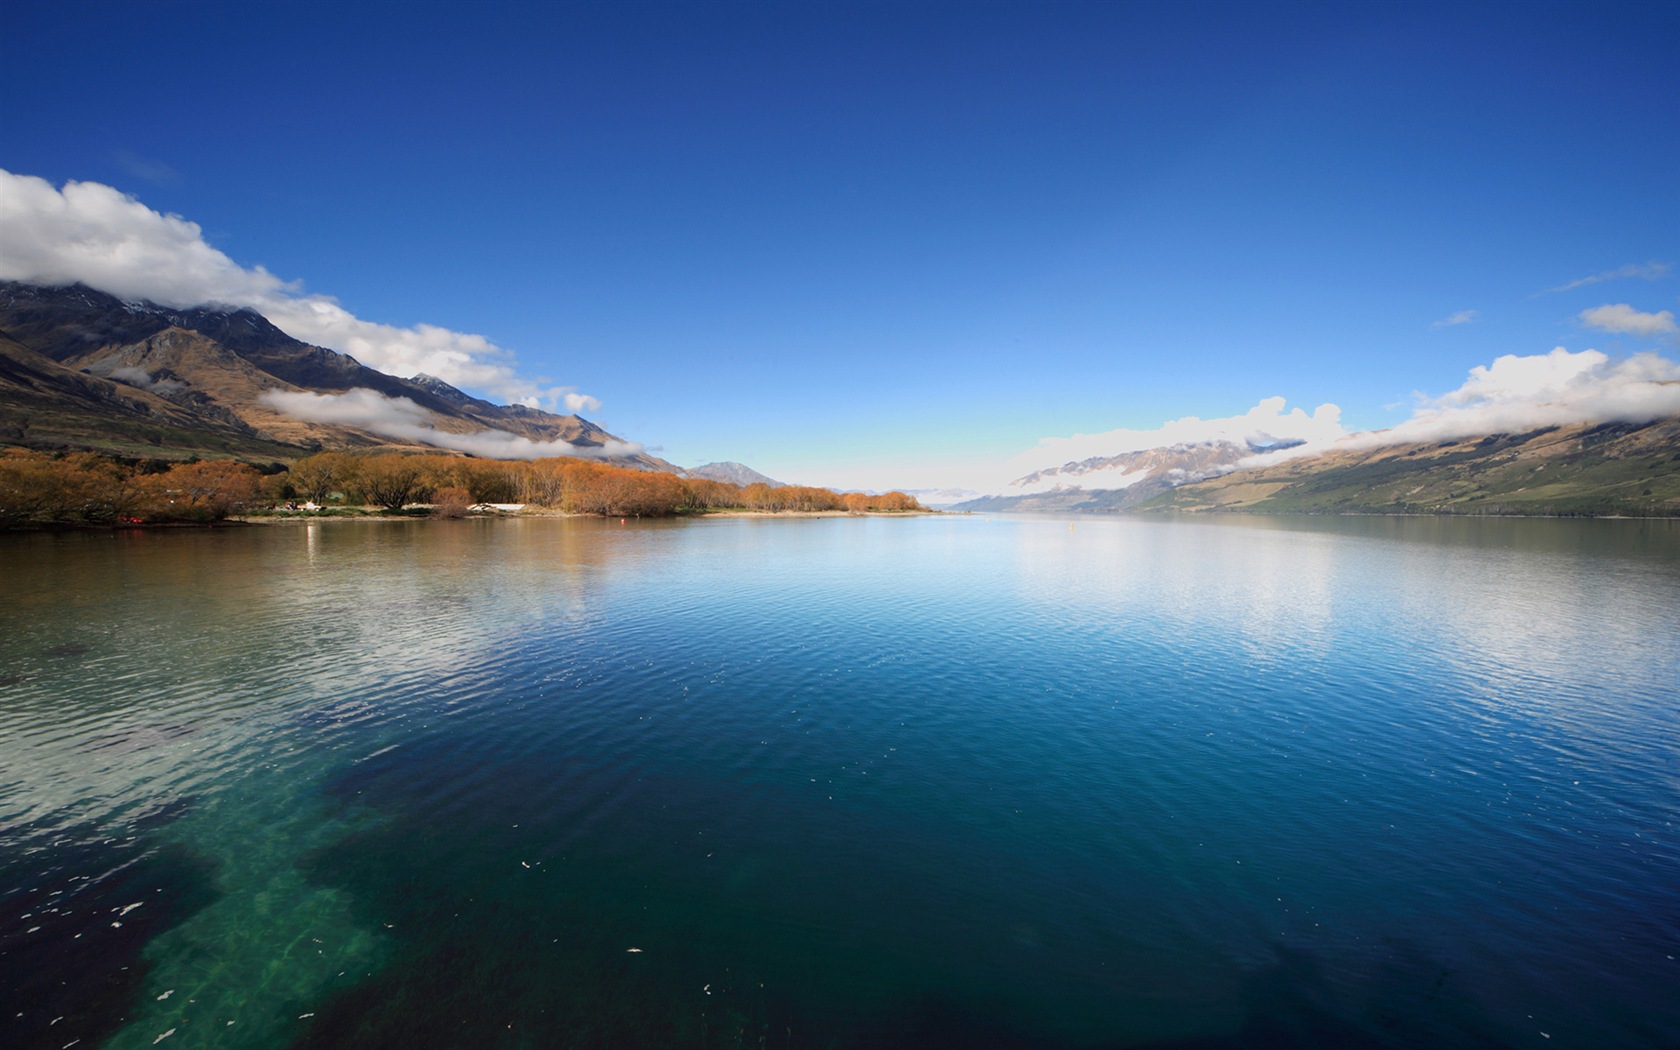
[(1512, 395), (1267, 423), (401, 418), (1516, 394), (91, 233)]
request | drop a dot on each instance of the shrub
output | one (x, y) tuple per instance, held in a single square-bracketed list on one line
[(451, 502)]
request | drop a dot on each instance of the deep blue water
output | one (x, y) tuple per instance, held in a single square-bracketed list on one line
[(932, 782)]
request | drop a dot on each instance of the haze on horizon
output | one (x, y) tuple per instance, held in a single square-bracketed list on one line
[(909, 246)]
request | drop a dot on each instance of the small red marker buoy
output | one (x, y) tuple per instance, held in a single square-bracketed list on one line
[(621, 521)]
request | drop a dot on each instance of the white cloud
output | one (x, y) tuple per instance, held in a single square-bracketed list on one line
[(576, 402), (143, 379), (92, 233), (1462, 317), (1537, 377), (1518, 394), (1620, 317), (1650, 271), (401, 418)]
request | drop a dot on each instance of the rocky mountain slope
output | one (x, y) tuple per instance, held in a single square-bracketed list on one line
[(1598, 469), (734, 473), (83, 369), (44, 404), (1111, 483)]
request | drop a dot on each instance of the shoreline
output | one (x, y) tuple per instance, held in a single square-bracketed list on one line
[(301, 518), (305, 518)]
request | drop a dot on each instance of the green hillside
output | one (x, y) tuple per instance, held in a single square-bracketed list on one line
[(1607, 469)]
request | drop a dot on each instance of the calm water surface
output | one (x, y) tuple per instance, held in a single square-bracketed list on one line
[(938, 782)]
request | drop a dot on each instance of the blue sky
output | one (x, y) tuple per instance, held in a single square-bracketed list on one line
[(899, 244)]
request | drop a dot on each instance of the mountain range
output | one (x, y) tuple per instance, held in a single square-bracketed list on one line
[(84, 370), (1119, 482), (81, 369), (1586, 468)]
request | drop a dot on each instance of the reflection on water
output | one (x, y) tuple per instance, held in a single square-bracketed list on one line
[(224, 675), (932, 782)]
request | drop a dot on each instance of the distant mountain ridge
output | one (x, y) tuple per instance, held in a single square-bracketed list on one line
[(1612, 468), (735, 474), (1118, 482), (942, 498), (1586, 468), (83, 369)]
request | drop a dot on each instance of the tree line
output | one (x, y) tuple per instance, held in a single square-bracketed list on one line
[(83, 488)]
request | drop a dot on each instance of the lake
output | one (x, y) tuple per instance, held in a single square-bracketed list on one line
[(843, 782)]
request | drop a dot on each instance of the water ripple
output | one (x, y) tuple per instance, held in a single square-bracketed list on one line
[(1123, 782)]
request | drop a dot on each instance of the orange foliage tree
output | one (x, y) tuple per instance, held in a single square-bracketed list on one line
[(888, 502), (207, 491), (450, 502), (491, 481), (543, 482), (896, 501), (38, 488), (707, 494), (316, 478), (600, 489), (391, 480)]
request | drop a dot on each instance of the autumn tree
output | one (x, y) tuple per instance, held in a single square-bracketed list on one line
[(450, 502), (38, 489), (758, 496), (595, 489), (708, 494), (808, 498), (545, 482), (317, 477), (24, 477), (108, 489), (491, 480), (391, 480), (485, 480), (896, 501), (440, 472), (565, 483), (206, 491), (889, 502), (648, 493)]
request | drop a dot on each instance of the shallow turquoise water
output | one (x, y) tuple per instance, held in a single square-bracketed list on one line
[(957, 782)]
